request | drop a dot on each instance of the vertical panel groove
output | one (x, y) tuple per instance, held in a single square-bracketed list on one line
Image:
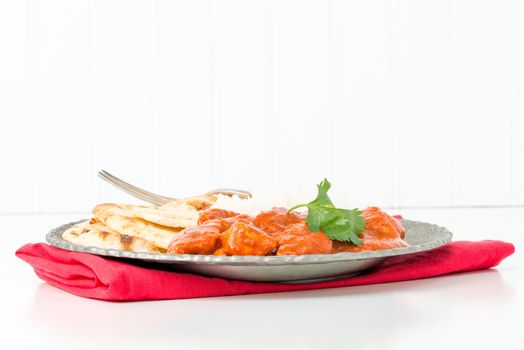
[(215, 87), (333, 84), (454, 66), (35, 103), (153, 105), (273, 72), (513, 124), (394, 105), (30, 49), (518, 99), (91, 103)]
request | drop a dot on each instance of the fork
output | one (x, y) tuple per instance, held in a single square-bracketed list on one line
[(157, 199)]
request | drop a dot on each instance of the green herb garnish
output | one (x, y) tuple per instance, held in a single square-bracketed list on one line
[(338, 224)]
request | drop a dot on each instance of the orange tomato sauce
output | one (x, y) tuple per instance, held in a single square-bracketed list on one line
[(277, 232)]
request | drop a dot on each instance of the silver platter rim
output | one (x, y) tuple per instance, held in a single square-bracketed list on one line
[(437, 237)]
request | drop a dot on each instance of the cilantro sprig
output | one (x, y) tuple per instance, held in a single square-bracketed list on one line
[(338, 224)]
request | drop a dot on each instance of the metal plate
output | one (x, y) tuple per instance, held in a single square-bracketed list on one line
[(419, 235)]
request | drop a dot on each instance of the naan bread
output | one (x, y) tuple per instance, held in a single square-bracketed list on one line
[(124, 220), (191, 204), (131, 227), (96, 234), (179, 213)]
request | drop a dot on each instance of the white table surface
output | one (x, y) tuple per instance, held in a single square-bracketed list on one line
[(477, 310)]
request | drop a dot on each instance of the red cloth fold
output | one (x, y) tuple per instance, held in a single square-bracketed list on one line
[(94, 276)]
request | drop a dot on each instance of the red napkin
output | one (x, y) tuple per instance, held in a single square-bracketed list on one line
[(93, 276)]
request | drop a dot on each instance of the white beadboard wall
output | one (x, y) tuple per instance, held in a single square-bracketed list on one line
[(400, 103)]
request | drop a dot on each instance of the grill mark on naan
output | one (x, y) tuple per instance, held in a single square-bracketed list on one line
[(199, 204), (118, 219), (98, 235), (196, 203), (126, 241)]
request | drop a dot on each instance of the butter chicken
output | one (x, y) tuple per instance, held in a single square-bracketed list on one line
[(277, 232)]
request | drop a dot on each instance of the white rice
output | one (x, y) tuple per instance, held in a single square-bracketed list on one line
[(257, 203)]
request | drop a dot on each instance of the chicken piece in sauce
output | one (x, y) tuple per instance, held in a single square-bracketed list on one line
[(213, 214), (203, 239), (381, 231), (297, 239), (223, 217), (276, 220), (245, 239), (383, 224)]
